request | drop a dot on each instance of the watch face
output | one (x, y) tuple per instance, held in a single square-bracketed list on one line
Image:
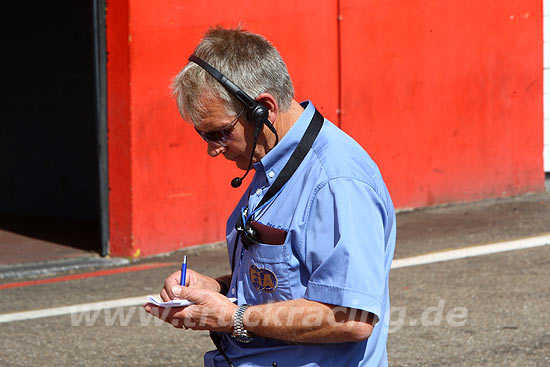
[(242, 338)]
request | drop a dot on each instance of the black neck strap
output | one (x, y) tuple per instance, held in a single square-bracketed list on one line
[(296, 158), (288, 170)]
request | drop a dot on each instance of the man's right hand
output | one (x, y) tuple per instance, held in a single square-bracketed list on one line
[(192, 280)]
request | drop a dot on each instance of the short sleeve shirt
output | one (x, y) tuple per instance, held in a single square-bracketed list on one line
[(340, 225)]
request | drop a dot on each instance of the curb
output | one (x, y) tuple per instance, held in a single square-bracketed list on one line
[(57, 266)]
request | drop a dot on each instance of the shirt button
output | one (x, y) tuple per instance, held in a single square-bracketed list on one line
[(258, 192), (271, 174)]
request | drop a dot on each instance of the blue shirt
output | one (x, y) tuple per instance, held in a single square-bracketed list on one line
[(338, 250)]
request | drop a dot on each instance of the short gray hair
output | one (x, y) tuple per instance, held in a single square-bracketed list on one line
[(248, 59)]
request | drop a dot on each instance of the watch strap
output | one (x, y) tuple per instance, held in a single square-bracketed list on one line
[(239, 331)]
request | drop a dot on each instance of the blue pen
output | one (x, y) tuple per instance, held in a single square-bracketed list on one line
[(183, 270)]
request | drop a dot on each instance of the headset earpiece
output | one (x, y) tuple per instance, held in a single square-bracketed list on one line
[(256, 112), (259, 115)]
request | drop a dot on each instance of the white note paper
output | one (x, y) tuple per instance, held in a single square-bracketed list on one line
[(173, 303)]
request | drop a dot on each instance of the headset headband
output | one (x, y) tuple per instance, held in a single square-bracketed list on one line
[(255, 111), (231, 87)]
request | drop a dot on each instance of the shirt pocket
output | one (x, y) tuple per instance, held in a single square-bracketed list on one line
[(267, 273)]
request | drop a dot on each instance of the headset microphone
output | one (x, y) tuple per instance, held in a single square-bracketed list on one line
[(237, 181)]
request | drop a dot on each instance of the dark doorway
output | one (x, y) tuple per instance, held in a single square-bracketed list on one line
[(49, 140)]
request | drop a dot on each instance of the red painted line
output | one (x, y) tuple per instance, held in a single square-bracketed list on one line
[(99, 273)]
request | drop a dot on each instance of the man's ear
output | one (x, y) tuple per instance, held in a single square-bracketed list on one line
[(270, 103)]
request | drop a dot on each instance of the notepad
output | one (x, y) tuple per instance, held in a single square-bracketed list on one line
[(172, 303), (175, 302)]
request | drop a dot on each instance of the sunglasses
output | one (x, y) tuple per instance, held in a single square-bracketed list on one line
[(222, 135)]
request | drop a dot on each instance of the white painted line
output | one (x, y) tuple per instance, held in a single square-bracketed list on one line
[(67, 310), (546, 27), (546, 108), (398, 263), (472, 251), (546, 155)]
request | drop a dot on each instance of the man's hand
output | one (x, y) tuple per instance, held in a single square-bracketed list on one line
[(192, 280), (210, 311)]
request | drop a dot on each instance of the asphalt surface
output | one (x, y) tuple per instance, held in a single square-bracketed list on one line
[(488, 310)]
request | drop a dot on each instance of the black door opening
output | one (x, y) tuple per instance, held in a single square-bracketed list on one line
[(50, 145)]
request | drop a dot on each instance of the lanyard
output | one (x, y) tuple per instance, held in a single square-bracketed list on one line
[(296, 158), (288, 170)]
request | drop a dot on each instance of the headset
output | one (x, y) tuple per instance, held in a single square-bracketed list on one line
[(255, 111)]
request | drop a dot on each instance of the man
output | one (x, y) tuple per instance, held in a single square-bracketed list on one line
[(311, 264)]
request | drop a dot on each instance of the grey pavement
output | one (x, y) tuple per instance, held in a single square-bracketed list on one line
[(489, 310)]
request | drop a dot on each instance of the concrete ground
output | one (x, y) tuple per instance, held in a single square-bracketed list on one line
[(489, 310), (41, 239)]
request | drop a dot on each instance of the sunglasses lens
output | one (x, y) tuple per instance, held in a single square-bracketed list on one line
[(213, 136), (220, 136), (248, 240)]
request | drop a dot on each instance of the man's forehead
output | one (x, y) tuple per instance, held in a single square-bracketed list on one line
[(210, 107), (213, 117)]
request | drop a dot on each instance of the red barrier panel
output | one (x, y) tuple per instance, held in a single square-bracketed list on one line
[(119, 129), (179, 195), (445, 95)]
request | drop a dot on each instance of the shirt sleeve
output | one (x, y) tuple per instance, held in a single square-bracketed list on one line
[(344, 246)]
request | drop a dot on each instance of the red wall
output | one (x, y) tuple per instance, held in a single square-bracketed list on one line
[(445, 95), (449, 98), (119, 127)]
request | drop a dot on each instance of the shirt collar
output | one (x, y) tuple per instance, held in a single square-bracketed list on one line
[(274, 161)]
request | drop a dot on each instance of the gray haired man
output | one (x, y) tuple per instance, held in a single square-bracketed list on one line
[(310, 242)]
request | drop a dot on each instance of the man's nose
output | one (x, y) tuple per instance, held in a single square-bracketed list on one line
[(215, 149)]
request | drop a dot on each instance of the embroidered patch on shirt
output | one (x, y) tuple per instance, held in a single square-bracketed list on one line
[(263, 279)]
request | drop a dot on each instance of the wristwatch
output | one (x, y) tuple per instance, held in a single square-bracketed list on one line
[(240, 334)]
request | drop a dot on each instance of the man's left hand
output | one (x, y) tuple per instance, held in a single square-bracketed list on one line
[(209, 311)]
